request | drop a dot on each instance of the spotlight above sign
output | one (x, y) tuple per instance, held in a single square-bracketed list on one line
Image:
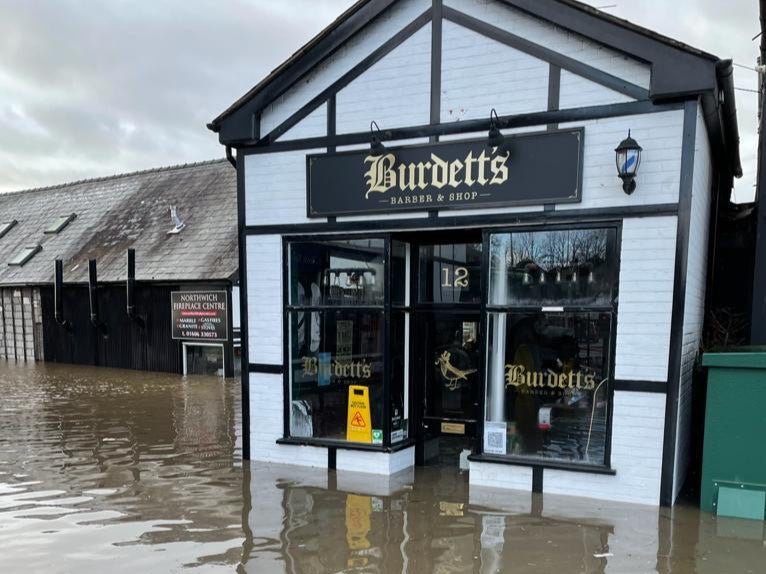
[(527, 169)]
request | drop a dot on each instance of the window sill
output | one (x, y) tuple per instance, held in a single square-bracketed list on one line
[(341, 444), (551, 464)]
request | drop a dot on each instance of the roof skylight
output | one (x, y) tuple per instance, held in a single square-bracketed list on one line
[(60, 223), (5, 226), (25, 255)]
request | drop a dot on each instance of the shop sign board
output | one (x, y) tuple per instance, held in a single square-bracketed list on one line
[(200, 315), (528, 169)]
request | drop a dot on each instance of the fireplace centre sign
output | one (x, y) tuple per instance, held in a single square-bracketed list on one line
[(200, 315), (535, 168)]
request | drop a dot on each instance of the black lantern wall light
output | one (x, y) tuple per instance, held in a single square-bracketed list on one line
[(376, 140), (628, 158), (495, 138)]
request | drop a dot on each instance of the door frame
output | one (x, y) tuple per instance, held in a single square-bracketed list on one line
[(416, 310), (186, 344)]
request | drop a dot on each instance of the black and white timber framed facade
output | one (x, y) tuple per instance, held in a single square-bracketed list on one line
[(557, 334)]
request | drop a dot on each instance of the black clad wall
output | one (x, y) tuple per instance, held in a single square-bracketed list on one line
[(123, 343)]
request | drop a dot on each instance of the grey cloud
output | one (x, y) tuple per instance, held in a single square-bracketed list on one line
[(92, 88)]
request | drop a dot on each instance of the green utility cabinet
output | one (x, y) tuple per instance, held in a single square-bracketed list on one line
[(734, 456)]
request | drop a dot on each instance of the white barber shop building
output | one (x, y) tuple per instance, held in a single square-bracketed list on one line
[(477, 233)]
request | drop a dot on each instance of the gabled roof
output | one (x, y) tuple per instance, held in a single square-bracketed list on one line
[(127, 211), (678, 70)]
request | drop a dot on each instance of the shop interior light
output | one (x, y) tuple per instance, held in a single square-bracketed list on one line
[(376, 141), (628, 159), (495, 138)]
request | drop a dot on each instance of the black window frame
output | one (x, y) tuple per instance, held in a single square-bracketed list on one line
[(612, 309), (387, 308)]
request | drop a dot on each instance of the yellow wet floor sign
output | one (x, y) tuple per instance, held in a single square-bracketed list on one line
[(359, 428)]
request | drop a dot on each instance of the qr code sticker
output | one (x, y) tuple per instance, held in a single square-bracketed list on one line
[(495, 440)]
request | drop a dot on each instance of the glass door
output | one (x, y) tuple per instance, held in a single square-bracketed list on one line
[(447, 367), (451, 377)]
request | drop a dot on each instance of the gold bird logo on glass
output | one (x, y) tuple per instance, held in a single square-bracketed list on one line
[(450, 372)]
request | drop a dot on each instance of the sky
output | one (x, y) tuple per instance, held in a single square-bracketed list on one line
[(98, 87)]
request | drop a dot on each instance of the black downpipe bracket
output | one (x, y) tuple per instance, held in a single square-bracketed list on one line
[(58, 295), (93, 296), (130, 288)]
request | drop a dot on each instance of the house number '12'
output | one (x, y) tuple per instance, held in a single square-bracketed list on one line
[(459, 277)]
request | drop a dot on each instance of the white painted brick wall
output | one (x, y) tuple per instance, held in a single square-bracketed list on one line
[(375, 484), (659, 176), (645, 298), (637, 433), (396, 91), (266, 403), (275, 187), (375, 462), (312, 126), (545, 34), (264, 298), (516, 83), (578, 92), (694, 307), (493, 475), (331, 70)]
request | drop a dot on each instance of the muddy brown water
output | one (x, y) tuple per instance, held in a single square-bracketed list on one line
[(117, 471)]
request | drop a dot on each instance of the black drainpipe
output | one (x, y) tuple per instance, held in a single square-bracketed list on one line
[(93, 296), (58, 295), (230, 157), (130, 288)]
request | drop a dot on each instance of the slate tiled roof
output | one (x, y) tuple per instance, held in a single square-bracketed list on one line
[(122, 211)]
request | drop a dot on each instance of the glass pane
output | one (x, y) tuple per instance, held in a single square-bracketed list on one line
[(330, 351), (342, 272), (204, 360), (450, 273), (400, 273), (547, 385), (452, 366), (24, 255), (573, 267), (6, 226), (400, 376), (60, 223)]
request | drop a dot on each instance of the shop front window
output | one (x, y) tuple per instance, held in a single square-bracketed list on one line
[(337, 345), (540, 268), (548, 370), (346, 272), (333, 351)]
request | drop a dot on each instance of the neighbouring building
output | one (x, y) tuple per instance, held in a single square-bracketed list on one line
[(481, 227), (175, 313)]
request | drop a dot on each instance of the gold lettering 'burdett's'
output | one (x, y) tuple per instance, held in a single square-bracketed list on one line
[(338, 369), (386, 174), (519, 376)]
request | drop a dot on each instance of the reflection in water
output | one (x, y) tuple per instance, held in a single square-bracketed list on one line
[(117, 471)]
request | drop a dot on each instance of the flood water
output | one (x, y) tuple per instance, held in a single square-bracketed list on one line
[(118, 471)]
